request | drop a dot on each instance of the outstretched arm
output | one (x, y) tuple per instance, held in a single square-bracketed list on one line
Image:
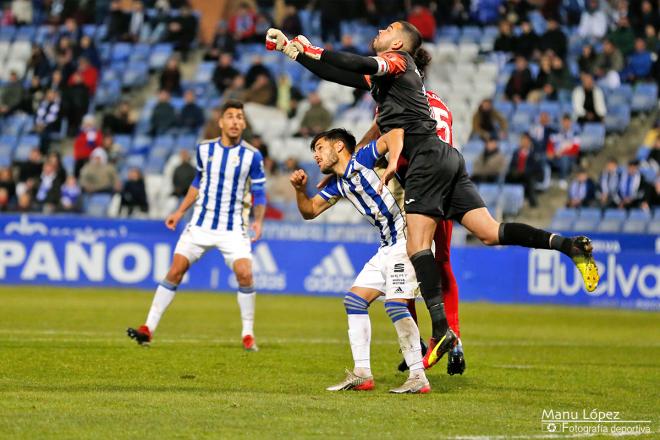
[(330, 73), (309, 208)]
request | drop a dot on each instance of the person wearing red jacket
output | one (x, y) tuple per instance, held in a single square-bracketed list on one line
[(87, 140), (422, 18), (89, 75), (563, 149)]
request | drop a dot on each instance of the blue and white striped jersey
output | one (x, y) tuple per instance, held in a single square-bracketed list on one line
[(227, 175), (359, 184)]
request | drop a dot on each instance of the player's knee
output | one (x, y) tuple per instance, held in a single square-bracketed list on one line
[(355, 304), (244, 276), (176, 274), (397, 310)]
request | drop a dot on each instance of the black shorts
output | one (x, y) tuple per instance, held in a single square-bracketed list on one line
[(436, 182)]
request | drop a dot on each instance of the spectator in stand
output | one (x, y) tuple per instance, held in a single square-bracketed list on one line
[(515, 10), (554, 39), (115, 151), (257, 68), (182, 30), (170, 77), (88, 51), (543, 88), (138, 27), (316, 119), (520, 83), (25, 203), (647, 16), (71, 30), (88, 140), (489, 123), (38, 65), (291, 24), (588, 59), (212, 128), (55, 159), (347, 44), (5, 201), (88, 74), (243, 23), (70, 195), (523, 169), (651, 200), (593, 22), (490, 165), (588, 101), (582, 191), (47, 190), (121, 121), (608, 65), (223, 43), (561, 79), (505, 41), (134, 194), (623, 36), (527, 43), (7, 184), (98, 176), (422, 18), (540, 134), (261, 91), (608, 190), (191, 117), (163, 117), (639, 63), (652, 135), (75, 101), (224, 72), (22, 11), (332, 13), (631, 186), (31, 168), (183, 175), (651, 38), (563, 149), (118, 21), (47, 120), (12, 95)]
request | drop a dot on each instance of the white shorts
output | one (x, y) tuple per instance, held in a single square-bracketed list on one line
[(195, 241), (391, 272)]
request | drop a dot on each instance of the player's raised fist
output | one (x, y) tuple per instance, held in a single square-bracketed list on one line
[(299, 180), (276, 40), (302, 44)]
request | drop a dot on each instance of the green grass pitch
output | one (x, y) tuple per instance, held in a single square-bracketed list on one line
[(67, 370)]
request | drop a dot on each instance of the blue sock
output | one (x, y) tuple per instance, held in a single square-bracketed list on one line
[(355, 305), (397, 310)]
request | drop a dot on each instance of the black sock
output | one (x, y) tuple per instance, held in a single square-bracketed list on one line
[(430, 286), (527, 236)]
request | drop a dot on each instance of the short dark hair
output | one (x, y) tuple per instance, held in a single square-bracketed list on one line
[(334, 135), (232, 103)]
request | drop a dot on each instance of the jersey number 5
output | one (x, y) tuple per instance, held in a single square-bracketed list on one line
[(442, 120)]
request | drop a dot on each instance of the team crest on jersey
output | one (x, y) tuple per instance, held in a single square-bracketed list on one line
[(235, 161)]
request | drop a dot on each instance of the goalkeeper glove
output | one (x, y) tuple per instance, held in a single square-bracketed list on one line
[(303, 45), (276, 40)]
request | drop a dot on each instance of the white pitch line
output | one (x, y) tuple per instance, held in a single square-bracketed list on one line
[(94, 336)]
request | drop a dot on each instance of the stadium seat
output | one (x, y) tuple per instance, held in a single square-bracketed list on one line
[(135, 75), (141, 144), (609, 225), (553, 108), (587, 224), (205, 72), (7, 33), (635, 226), (140, 52), (25, 144), (121, 52), (512, 198), (108, 93), (645, 97), (96, 205), (592, 137), (614, 214), (654, 227), (159, 56), (589, 214), (639, 214), (26, 33), (642, 153), (490, 192), (521, 121), (617, 118), (473, 147), (504, 107)]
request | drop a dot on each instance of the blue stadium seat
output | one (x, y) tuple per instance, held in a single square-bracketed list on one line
[(614, 214), (654, 227), (656, 213), (108, 93), (8, 142), (135, 161), (187, 141), (7, 33), (140, 52), (135, 75), (645, 97), (642, 153), (5, 154), (68, 163), (589, 214), (44, 33), (473, 146), (587, 224), (639, 214), (609, 225), (121, 52), (490, 192), (159, 55), (471, 34), (164, 141), (90, 30), (205, 72), (25, 144), (621, 95), (96, 205), (592, 137), (635, 226), (124, 140), (553, 108), (14, 125), (617, 118), (105, 52), (504, 107), (141, 144), (513, 198), (521, 121), (26, 33)]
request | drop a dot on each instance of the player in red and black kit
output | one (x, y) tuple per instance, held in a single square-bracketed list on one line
[(437, 184)]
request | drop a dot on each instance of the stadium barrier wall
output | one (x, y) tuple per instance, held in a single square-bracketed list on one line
[(314, 259)]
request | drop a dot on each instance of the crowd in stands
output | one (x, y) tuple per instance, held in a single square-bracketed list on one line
[(559, 61)]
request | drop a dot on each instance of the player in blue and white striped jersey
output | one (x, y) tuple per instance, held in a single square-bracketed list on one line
[(228, 170), (355, 177)]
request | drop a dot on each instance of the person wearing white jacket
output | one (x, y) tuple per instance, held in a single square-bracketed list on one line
[(588, 101)]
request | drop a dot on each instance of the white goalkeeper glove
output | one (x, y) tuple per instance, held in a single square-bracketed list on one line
[(302, 44), (276, 40)]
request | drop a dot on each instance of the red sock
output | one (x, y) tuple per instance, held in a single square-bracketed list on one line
[(442, 241)]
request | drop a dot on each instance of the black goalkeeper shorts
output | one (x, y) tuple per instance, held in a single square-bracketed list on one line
[(436, 182)]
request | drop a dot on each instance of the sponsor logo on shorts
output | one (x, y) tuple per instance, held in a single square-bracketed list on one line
[(398, 268)]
